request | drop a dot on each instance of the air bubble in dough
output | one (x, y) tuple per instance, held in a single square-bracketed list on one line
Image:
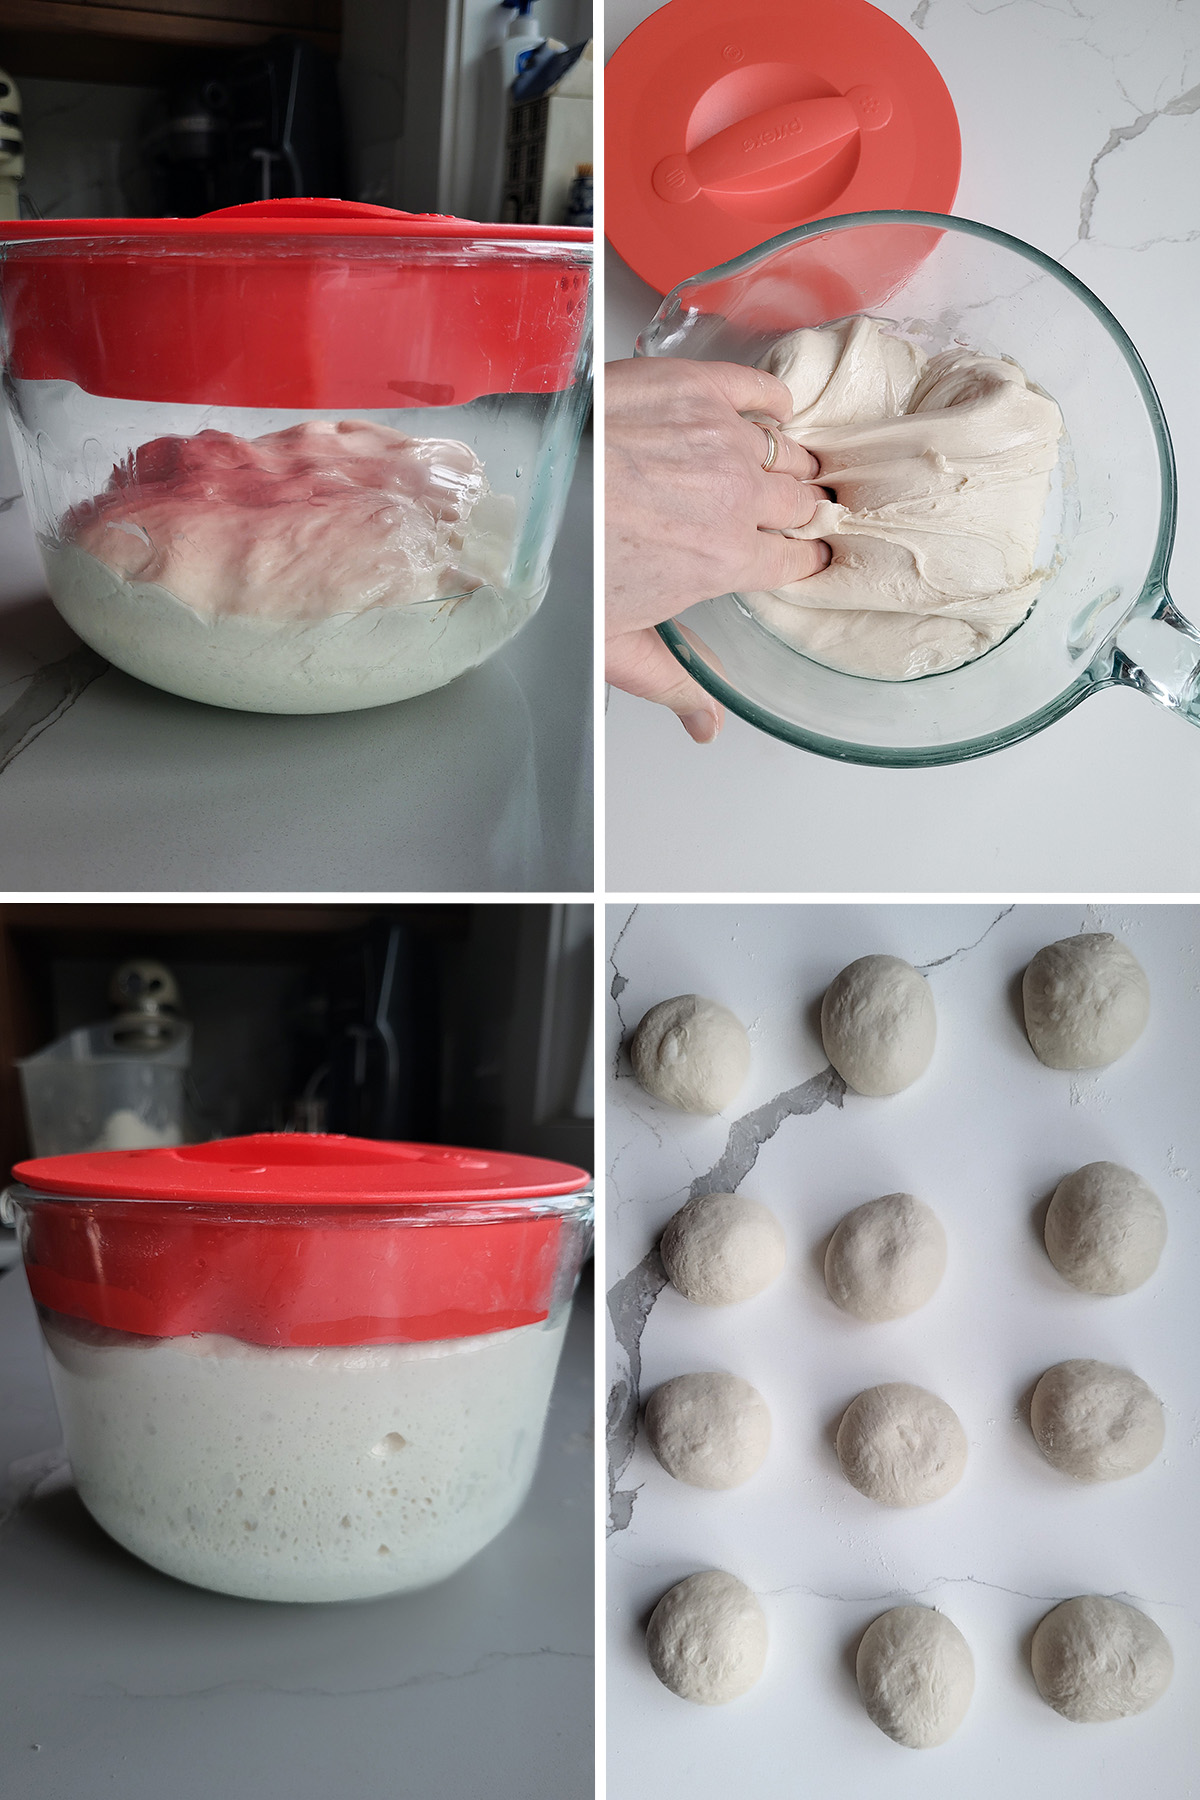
[(707, 1639), (1086, 1001), (901, 1445), (886, 1258), (1096, 1422), (1105, 1229), (878, 1024), (721, 1248), (916, 1676), (711, 1430), (1096, 1659)]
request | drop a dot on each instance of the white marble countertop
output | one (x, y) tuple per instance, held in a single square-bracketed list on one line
[(1081, 134), (118, 1680), (983, 1137), (107, 784)]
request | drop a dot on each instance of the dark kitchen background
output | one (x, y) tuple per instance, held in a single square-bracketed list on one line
[(178, 107), (460, 1024)]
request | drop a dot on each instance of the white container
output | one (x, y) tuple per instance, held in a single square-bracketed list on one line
[(83, 1092)]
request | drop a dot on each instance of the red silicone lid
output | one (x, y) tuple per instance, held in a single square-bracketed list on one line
[(296, 304), (291, 1239), (725, 127)]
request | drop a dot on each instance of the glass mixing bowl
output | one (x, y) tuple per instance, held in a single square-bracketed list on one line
[(1103, 617), (298, 456)]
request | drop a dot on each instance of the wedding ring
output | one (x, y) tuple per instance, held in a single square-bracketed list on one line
[(773, 452)]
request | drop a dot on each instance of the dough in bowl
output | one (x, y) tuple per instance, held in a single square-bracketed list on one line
[(916, 1676), (691, 1053), (878, 1024), (1096, 1422), (707, 1639), (1105, 1229), (901, 1445), (1096, 1659), (1087, 1001), (722, 1248), (886, 1258), (711, 1430)]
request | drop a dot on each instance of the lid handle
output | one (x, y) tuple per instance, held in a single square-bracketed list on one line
[(314, 209), (781, 145)]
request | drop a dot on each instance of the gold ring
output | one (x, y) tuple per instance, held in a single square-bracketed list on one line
[(773, 452)]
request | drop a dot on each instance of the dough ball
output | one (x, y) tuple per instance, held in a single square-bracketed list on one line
[(1096, 1659), (886, 1258), (707, 1639), (901, 1445), (711, 1431), (691, 1053), (1086, 1001), (916, 1676), (720, 1248), (1105, 1229), (878, 1024), (1096, 1422)]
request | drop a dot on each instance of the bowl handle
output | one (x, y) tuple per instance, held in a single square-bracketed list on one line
[(1158, 652)]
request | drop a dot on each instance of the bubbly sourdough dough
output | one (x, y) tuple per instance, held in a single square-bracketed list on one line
[(1096, 1659), (721, 1248), (1105, 1229), (886, 1258), (691, 1053), (707, 1639), (901, 1445), (711, 1431), (1096, 1422), (878, 1024), (940, 472), (1087, 1001), (328, 567), (916, 1676)]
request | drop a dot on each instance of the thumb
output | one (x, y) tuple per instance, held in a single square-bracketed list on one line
[(640, 663)]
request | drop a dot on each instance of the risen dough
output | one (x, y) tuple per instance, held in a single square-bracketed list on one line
[(691, 1052), (1105, 1229), (878, 1024), (940, 471), (711, 1431), (886, 1258), (916, 1676), (901, 1445), (707, 1638), (1096, 1422), (721, 1248), (1086, 1001), (1096, 1659)]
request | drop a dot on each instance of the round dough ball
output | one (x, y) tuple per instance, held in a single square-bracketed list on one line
[(721, 1248), (691, 1053), (1096, 1422), (707, 1639), (886, 1258), (878, 1024), (1086, 1001), (1105, 1229), (711, 1431), (1096, 1659), (901, 1445), (916, 1676)]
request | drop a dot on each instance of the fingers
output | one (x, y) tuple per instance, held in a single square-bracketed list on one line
[(640, 663), (750, 390), (786, 504), (779, 560), (790, 458)]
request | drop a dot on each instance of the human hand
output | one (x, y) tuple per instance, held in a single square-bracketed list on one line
[(690, 512)]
